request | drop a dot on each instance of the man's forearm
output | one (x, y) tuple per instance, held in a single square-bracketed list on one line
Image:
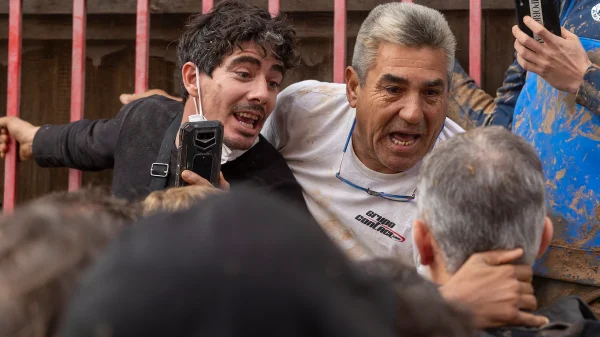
[(84, 145), (588, 94)]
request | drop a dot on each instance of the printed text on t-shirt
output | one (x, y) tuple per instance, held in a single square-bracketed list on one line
[(380, 224)]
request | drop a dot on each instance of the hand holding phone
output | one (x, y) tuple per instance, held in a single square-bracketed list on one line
[(200, 145), (545, 12)]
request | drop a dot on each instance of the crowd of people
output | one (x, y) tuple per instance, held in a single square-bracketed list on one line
[(355, 209)]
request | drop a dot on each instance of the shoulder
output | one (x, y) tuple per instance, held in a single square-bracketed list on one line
[(262, 163), (266, 153), (308, 95), (450, 129), (155, 106)]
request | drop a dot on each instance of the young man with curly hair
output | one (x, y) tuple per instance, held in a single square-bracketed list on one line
[(236, 57)]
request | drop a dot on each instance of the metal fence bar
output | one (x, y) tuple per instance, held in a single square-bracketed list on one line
[(475, 40), (13, 99), (142, 46), (77, 76), (207, 5), (339, 40), (274, 7)]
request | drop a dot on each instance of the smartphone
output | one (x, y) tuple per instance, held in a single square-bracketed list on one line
[(200, 145), (545, 12)]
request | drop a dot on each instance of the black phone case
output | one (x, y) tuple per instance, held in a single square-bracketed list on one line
[(200, 146), (545, 12)]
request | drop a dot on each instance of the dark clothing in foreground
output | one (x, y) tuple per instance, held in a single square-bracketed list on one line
[(239, 264), (130, 143), (569, 317)]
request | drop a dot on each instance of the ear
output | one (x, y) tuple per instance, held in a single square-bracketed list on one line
[(423, 241), (188, 75), (352, 86), (546, 236)]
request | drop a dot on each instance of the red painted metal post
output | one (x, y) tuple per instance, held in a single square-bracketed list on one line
[(77, 76), (142, 46), (475, 40), (13, 99), (274, 7), (207, 5), (339, 41)]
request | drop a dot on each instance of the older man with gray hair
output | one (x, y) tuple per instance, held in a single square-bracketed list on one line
[(484, 190), (356, 149)]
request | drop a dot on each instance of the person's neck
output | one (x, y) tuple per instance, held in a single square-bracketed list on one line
[(362, 153), (438, 272)]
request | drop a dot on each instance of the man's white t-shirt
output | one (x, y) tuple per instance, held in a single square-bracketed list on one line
[(310, 126)]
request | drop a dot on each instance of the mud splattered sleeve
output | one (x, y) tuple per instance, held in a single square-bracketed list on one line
[(588, 94), (471, 106)]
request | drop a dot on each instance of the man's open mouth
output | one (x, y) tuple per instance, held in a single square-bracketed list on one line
[(247, 120), (404, 139)]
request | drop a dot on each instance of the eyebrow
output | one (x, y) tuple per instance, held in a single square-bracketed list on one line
[(243, 59), (254, 61), (279, 68), (438, 82), (435, 83), (393, 79)]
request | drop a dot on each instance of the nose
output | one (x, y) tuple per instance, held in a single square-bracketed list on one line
[(412, 111), (259, 93)]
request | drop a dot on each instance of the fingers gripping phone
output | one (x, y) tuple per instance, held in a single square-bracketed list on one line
[(545, 12), (200, 145)]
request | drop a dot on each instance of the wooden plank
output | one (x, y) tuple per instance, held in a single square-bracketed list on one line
[(165, 27), (13, 101), (77, 77), (192, 6), (498, 50)]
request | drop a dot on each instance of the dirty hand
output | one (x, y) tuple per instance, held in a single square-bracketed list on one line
[(128, 98), (22, 131), (495, 292), (561, 61), (194, 179)]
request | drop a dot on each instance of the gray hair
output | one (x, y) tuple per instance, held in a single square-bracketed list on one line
[(406, 24), (483, 190)]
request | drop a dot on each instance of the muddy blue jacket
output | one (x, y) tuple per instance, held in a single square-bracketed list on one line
[(565, 131)]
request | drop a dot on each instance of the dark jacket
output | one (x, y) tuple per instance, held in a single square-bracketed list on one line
[(569, 317), (130, 142)]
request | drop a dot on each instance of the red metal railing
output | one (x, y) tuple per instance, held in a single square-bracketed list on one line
[(13, 98), (141, 65), (339, 40), (274, 7), (475, 40), (207, 5), (142, 46), (77, 76)]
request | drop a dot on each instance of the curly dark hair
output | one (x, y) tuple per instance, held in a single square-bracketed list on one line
[(208, 38)]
